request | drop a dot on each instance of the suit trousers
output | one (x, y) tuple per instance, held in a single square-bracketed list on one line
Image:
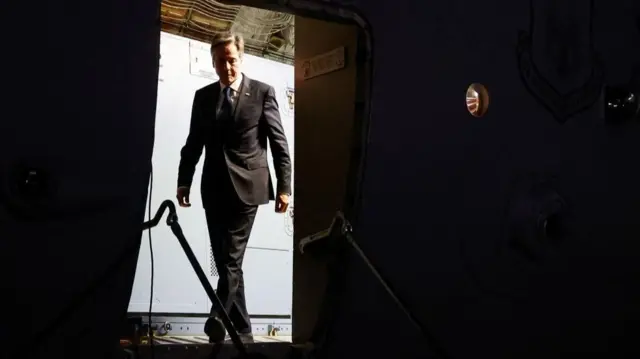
[(229, 222)]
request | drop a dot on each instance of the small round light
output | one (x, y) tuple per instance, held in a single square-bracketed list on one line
[(477, 100)]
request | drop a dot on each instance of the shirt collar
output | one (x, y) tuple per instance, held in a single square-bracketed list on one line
[(235, 86)]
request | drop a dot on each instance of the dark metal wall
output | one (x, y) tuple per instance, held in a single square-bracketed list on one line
[(454, 205), (78, 111)]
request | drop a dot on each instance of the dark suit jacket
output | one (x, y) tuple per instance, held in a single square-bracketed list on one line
[(236, 150)]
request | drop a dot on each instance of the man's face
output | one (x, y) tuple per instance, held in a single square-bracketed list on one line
[(227, 60)]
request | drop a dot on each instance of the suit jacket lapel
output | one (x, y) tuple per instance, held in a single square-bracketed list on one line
[(215, 97), (243, 91)]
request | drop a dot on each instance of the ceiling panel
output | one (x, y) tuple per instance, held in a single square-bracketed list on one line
[(267, 34)]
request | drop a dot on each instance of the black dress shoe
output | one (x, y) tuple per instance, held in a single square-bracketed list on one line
[(246, 338), (214, 329)]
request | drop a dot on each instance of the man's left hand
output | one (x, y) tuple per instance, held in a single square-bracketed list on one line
[(282, 203)]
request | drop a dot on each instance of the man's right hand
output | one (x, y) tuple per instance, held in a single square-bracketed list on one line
[(183, 197)]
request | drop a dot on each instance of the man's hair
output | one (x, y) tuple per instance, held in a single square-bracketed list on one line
[(225, 38)]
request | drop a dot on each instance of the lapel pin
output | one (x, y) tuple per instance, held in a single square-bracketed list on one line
[(247, 94)]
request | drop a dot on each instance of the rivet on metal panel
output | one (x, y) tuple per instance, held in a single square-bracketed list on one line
[(621, 104)]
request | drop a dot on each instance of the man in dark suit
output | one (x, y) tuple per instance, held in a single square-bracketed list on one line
[(233, 119)]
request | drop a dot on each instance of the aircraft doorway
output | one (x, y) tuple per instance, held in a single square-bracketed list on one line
[(283, 288)]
